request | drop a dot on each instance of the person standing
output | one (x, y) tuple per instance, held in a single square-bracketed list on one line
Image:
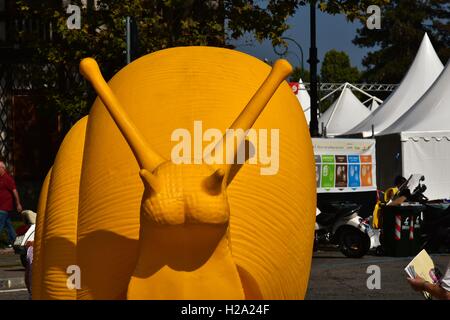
[(8, 198)]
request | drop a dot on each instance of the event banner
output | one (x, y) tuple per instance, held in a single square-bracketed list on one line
[(345, 165)]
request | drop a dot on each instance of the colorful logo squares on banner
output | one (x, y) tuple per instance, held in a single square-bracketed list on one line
[(366, 158), (341, 176), (328, 159), (341, 159), (354, 180), (318, 175), (327, 180), (353, 159), (366, 175)]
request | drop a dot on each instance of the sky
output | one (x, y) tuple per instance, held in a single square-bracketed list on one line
[(333, 32)]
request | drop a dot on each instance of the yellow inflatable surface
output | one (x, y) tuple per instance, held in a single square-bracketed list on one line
[(151, 198)]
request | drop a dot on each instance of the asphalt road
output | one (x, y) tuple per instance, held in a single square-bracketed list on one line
[(14, 294), (11, 269), (333, 276)]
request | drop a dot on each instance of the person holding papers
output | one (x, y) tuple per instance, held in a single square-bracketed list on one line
[(439, 290)]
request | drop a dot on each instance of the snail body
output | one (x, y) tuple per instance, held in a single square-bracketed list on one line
[(139, 226)]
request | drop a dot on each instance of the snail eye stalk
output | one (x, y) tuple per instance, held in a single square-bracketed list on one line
[(254, 107), (146, 157)]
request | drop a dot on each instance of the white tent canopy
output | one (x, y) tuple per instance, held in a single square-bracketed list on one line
[(420, 76), (419, 142), (304, 99), (374, 105), (407, 153), (343, 114), (431, 112)]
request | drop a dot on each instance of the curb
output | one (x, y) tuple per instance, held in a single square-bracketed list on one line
[(12, 283)]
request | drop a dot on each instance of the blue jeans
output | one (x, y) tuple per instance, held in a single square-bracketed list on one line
[(5, 221)]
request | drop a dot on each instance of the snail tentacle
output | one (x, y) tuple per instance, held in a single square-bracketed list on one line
[(252, 111), (147, 158)]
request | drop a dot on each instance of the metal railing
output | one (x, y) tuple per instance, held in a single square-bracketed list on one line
[(371, 87)]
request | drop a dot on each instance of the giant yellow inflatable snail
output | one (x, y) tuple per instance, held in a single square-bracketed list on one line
[(139, 226)]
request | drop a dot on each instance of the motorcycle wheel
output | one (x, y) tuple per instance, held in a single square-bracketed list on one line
[(353, 243), (379, 251)]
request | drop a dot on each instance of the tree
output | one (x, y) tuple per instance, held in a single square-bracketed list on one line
[(298, 73), (336, 68), (161, 23), (403, 24)]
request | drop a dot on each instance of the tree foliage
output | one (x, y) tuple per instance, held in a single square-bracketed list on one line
[(336, 68), (161, 23), (403, 24), (298, 73)]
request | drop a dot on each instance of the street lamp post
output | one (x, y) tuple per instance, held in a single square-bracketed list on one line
[(313, 61), (132, 39), (299, 47), (285, 52)]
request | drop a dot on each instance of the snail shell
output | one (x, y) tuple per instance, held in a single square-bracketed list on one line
[(90, 205)]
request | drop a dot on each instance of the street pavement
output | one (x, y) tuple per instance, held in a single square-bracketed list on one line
[(12, 284), (11, 270), (333, 276), (14, 294)]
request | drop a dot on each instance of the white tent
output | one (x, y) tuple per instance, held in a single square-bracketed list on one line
[(303, 97), (420, 76), (374, 105), (419, 141), (431, 112), (343, 114)]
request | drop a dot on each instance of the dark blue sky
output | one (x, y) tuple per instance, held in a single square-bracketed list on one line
[(333, 32)]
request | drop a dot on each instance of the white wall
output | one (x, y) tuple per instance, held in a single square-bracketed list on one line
[(429, 156)]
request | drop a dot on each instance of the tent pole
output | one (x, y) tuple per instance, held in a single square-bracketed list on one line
[(336, 106), (365, 93)]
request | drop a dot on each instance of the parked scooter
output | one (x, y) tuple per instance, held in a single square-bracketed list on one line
[(24, 234), (412, 190), (339, 223)]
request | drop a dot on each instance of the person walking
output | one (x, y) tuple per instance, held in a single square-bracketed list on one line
[(8, 198)]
